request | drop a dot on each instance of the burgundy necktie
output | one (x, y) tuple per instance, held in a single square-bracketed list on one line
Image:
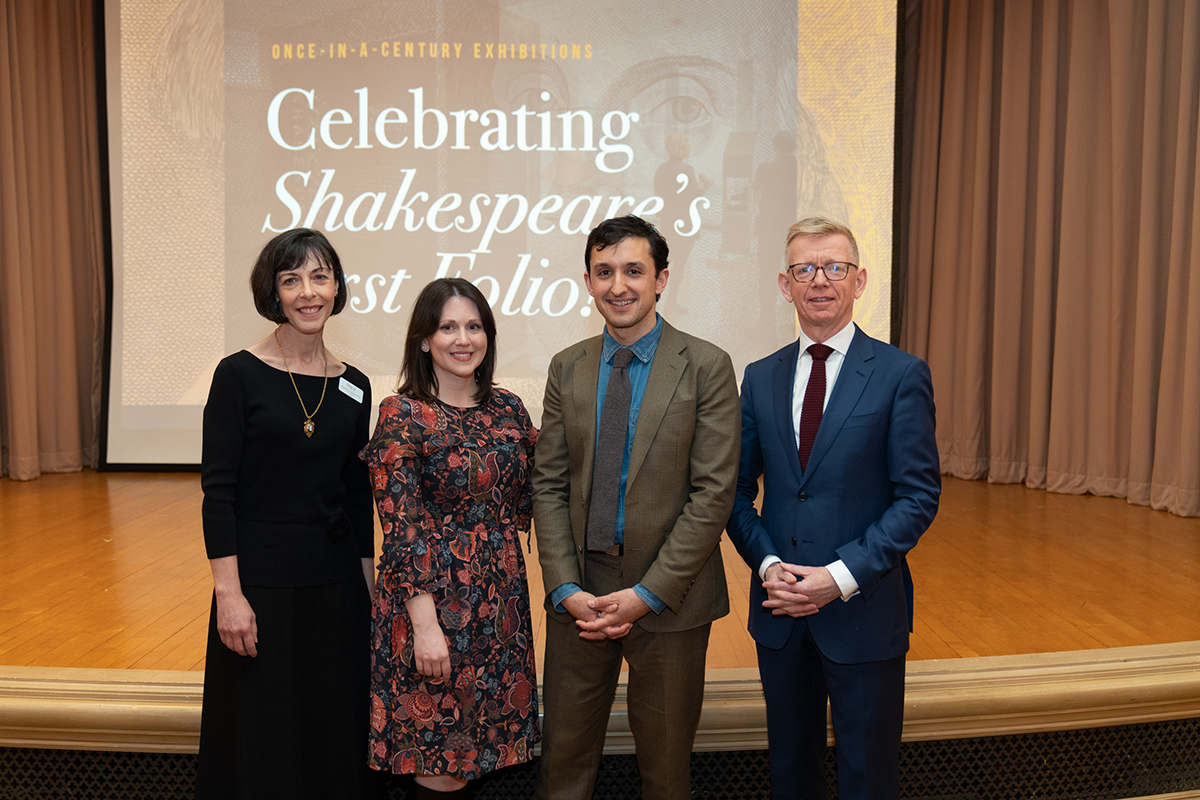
[(814, 401)]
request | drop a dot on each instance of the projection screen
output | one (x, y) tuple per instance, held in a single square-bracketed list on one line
[(478, 138)]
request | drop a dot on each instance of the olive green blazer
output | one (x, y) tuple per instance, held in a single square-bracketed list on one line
[(681, 484)]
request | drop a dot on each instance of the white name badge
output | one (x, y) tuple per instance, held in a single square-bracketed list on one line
[(350, 390)]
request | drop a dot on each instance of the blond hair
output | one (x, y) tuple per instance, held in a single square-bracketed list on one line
[(820, 226)]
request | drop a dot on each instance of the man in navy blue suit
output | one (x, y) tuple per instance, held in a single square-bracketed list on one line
[(840, 427)]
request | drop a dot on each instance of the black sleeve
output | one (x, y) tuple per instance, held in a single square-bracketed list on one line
[(221, 459), (359, 502)]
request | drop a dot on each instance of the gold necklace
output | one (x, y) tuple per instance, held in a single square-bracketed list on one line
[(309, 427)]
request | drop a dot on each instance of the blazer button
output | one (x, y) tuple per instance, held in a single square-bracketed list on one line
[(803, 496), (793, 541)]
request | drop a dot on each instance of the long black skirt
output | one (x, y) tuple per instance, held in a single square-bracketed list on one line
[(291, 722)]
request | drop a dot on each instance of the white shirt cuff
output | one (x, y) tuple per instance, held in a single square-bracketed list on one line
[(843, 578), (766, 562)]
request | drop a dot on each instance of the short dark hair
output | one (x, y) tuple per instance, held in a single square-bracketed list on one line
[(618, 229), (417, 377), (290, 250)]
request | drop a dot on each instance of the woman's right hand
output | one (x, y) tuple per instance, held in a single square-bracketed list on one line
[(431, 654), (235, 618), (237, 624)]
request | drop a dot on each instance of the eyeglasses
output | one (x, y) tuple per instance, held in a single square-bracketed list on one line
[(834, 271)]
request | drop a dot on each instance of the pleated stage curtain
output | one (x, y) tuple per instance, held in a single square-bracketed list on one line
[(1053, 244), (51, 240)]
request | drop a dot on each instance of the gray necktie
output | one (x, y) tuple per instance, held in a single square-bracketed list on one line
[(610, 456)]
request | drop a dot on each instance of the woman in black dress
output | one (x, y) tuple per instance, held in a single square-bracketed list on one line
[(289, 535), (453, 688)]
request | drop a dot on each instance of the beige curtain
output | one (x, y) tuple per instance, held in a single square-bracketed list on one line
[(51, 260), (1053, 253)]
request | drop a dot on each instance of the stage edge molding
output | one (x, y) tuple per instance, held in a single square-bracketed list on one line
[(159, 711)]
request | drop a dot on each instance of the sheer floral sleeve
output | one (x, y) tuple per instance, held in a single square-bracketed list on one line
[(408, 433), (528, 437)]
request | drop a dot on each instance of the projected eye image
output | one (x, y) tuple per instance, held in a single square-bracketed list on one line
[(481, 140)]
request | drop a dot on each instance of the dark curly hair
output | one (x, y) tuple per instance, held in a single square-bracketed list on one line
[(618, 229)]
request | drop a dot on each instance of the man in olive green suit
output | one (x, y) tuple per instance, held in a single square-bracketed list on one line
[(650, 593)]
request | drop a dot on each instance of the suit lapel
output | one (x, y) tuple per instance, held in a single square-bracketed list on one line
[(782, 388), (583, 407), (665, 373), (851, 381)]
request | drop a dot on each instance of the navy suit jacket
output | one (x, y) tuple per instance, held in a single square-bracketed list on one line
[(871, 489)]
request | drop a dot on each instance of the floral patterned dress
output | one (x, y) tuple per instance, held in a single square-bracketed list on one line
[(452, 488)]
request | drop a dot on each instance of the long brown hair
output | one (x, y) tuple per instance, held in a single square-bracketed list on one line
[(417, 377)]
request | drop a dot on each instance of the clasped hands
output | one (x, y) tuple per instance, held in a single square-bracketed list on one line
[(798, 591), (608, 617)]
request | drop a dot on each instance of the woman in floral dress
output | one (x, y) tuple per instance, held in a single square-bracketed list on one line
[(453, 688)]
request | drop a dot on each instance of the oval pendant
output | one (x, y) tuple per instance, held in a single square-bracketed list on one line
[(309, 428)]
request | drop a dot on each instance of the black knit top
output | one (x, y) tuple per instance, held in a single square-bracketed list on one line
[(296, 511)]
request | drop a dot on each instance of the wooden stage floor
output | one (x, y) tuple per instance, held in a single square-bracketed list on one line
[(108, 571)]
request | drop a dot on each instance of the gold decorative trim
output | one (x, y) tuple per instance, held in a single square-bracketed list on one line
[(159, 711), (150, 711), (1002, 695)]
